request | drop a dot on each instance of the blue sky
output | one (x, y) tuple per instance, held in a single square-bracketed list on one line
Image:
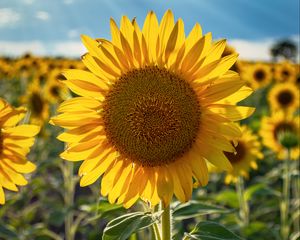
[(46, 25)]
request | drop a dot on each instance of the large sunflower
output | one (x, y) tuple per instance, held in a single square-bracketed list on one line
[(151, 110), (15, 143), (284, 97), (271, 129), (247, 152)]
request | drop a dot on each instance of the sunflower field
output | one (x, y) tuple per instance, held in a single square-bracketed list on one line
[(155, 134)]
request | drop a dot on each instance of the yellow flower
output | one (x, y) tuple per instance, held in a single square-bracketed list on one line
[(285, 72), (297, 78), (151, 110), (258, 75), (55, 91), (284, 97), (15, 143), (271, 129), (247, 152), (36, 103)]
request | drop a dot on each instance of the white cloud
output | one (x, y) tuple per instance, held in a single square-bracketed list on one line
[(64, 48), (42, 15), (8, 17), (248, 50), (69, 48), (19, 48), (256, 50)]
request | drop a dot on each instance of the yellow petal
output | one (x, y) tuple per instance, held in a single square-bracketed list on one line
[(199, 167), (27, 167), (76, 74), (115, 34), (175, 40), (178, 190), (2, 196), (165, 187), (215, 52), (102, 166), (165, 28), (150, 32), (120, 181), (193, 37), (232, 112), (110, 177), (79, 103), (14, 176), (218, 159), (96, 51), (24, 130)]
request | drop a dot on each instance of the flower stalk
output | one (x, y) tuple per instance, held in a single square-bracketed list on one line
[(69, 200), (166, 222), (244, 208), (285, 203)]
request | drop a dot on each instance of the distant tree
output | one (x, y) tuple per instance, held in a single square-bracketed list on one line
[(284, 48)]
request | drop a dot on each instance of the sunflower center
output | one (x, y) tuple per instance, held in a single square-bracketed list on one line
[(239, 155), (54, 91), (298, 80), (285, 97), (285, 73), (37, 104), (151, 116), (259, 75)]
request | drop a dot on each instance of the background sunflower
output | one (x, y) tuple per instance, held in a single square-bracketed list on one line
[(15, 143)]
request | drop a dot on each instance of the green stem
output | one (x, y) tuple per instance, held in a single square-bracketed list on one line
[(166, 222), (285, 203), (156, 232), (244, 208), (69, 199), (296, 193)]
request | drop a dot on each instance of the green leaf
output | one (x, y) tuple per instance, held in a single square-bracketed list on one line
[(103, 207), (7, 232), (211, 231), (122, 227), (193, 209), (261, 190), (228, 197), (255, 227)]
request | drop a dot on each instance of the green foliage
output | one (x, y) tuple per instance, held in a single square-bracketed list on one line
[(194, 209), (211, 231), (122, 227)]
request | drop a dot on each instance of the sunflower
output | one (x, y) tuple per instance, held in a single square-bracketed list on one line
[(271, 129), (151, 110), (36, 103), (284, 96), (258, 75), (15, 143), (285, 72), (55, 90), (297, 78), (247, 152), (237, 66)]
